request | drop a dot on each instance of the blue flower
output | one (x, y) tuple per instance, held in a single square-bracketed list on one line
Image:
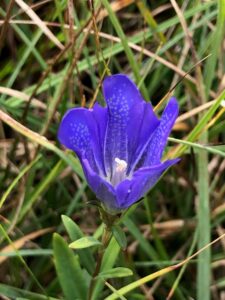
[(119, 146)]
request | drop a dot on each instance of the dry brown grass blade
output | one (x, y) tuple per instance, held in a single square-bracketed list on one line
[(20, 242), (138, 48), (189, 258), (34, 136), (188, 36), (218, 210), (169, 93), (181, 126), (116, 6), (194, 111), (22, 96), (149, 54), (215, 118), (39, 23), (164, 271)]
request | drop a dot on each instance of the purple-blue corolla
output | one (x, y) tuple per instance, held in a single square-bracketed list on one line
[(119, 146)]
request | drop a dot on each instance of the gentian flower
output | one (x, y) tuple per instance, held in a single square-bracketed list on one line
[(120, 146)]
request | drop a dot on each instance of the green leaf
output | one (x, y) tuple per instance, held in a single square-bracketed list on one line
[(86, 257), (68, 270), (116, 273), (120, 236), (16, 293), (85, 242)]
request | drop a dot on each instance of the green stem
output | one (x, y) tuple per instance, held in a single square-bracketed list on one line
[(106, 237)]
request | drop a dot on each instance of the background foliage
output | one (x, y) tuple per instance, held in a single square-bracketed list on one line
[(54, 55)]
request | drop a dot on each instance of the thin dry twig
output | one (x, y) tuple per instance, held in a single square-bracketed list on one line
[(6, 22), (68, 75)]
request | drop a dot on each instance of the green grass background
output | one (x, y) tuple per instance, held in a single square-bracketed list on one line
[(53, 56)]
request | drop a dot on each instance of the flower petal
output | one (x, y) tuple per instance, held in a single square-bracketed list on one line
[(131, 190), (82, 130), (126, 109), (155, 148), (140, 132), (103, 190)]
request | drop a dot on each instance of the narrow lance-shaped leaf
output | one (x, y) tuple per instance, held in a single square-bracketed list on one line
[(68, 270), (116, 273), (85, 242), (86, 257), (15, 293)]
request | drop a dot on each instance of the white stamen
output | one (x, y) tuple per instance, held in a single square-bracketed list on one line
[(121, 165), (223, 103)]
